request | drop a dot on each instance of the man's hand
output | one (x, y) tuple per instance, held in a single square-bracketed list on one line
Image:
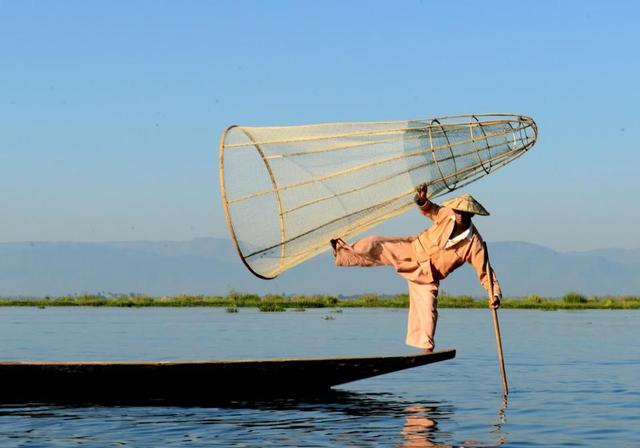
[(495, 302), (421, 194)]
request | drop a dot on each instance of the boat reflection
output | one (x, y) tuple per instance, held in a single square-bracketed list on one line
[(408, 424), (419, 423)]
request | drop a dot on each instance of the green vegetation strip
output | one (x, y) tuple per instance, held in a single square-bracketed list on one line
[(270, 302)]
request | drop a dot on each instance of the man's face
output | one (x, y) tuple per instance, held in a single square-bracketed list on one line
[(463, 218)]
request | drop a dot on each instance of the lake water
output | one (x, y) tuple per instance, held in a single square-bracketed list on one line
[(574, 378)]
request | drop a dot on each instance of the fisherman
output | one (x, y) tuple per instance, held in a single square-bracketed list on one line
[(426, 259)]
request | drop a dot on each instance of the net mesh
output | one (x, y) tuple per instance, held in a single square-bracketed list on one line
[(288, 190)]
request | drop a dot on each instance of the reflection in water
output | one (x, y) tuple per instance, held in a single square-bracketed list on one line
[(502, 416), (338, 418), (419, 429), (502, 420), (344, 402)]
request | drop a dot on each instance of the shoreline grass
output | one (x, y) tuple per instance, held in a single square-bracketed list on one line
[(272, 302)]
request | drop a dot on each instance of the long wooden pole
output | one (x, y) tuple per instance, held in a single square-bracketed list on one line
[(496, 327), (496, 324)]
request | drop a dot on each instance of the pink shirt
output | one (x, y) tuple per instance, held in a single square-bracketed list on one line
[(431, 251)]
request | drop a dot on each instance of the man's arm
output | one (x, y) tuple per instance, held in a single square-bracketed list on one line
[(428, 208), (478, 258)]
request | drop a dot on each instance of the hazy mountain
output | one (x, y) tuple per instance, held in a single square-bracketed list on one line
[(211, 266)]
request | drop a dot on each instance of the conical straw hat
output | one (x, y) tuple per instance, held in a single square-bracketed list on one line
[(466, 203)]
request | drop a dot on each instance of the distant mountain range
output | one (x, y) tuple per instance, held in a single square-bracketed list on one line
[(211, 266)]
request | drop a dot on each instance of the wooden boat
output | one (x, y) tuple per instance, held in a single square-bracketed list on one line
[(191, 381)]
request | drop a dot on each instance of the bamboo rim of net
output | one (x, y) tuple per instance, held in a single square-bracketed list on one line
[(452, 181)]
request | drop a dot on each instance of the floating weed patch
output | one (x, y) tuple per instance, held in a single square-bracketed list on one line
[(271, 307), (232, 309)]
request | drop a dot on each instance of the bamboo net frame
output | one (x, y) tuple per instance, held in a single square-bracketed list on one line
[(288, 190)]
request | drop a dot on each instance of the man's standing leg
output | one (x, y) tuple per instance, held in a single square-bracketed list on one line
[(423, 315)]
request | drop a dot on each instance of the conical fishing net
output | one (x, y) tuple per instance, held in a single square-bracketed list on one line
[(288, 190)]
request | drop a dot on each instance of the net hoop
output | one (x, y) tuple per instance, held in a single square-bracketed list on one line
[(293, 189)]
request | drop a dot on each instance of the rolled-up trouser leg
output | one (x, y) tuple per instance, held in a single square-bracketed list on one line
[(423, 315)]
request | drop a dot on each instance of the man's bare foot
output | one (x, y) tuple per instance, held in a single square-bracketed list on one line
[(427, 351)]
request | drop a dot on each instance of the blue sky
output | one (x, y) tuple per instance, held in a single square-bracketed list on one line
[(111, 111)]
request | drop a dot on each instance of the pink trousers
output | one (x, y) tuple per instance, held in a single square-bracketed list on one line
[(423, 293)]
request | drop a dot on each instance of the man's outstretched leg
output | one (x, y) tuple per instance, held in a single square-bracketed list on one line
[(423, 315), (375, 251)]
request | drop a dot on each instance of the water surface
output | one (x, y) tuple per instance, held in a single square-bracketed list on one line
[(573, 375)]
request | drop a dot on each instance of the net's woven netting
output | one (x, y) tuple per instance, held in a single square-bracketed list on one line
[(288, 190)]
